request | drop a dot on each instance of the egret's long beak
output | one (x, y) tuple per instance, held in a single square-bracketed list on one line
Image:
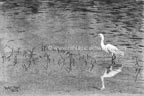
[(95, 35)]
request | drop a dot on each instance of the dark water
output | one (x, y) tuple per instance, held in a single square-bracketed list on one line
[(73, 23)]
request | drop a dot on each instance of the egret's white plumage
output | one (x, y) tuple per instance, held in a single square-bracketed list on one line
[(109, 48)]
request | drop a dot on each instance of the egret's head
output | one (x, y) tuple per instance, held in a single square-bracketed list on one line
[(101, 35)]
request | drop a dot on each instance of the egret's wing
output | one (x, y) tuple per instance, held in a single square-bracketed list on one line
[(111, 48)]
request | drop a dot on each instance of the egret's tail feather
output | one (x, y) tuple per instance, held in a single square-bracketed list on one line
[(121, 53)]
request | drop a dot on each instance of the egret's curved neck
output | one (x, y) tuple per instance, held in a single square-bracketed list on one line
[(102, 41)]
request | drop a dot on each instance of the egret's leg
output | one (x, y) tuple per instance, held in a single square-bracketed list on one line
[(103, 85), (113, 59), (109, 69)]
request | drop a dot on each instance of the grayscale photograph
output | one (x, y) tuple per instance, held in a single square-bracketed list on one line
[(71, 48)]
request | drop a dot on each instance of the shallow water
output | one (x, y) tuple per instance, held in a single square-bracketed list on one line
[(72, 24)]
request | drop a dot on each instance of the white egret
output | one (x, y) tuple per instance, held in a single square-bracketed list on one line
[(110, 72), (109, 48)]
